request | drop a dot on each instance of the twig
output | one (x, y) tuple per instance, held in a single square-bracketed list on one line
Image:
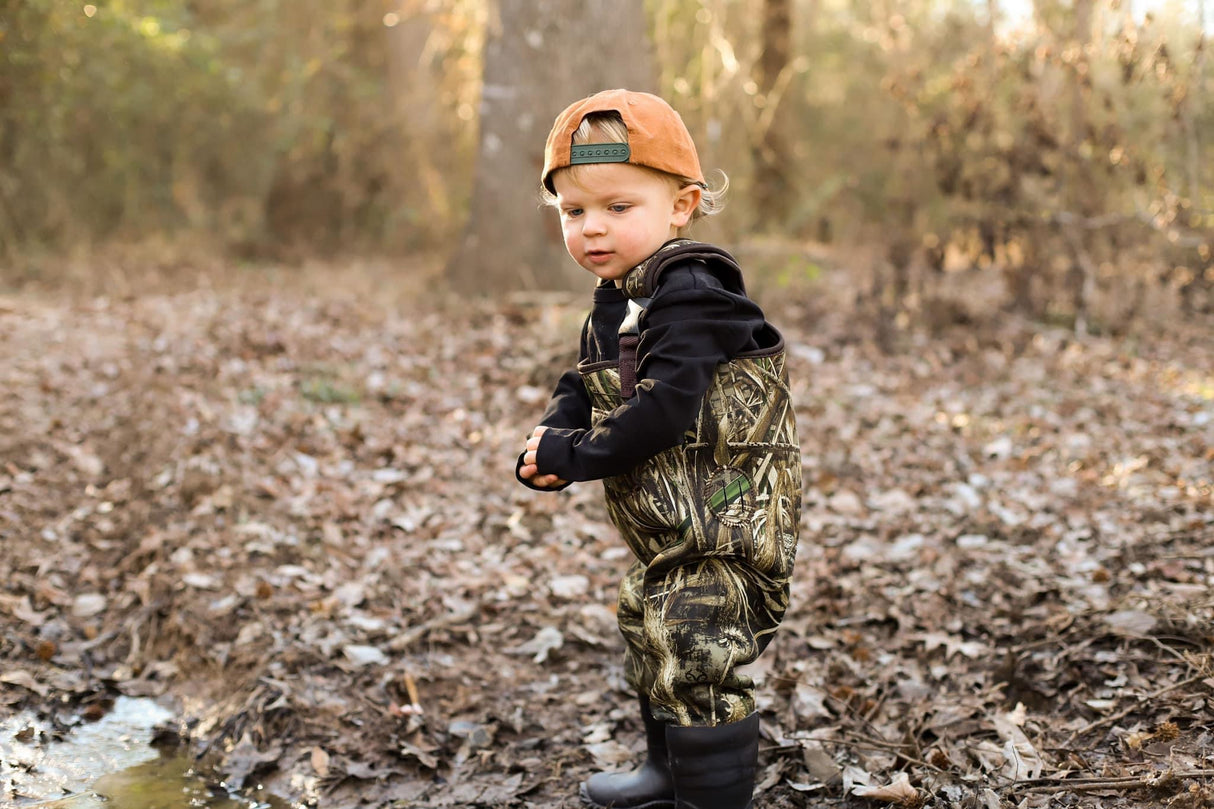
[(1172, 234), (1059, 639), (872, 712), (1091, 222), (406, 639), (1180, 656), (1052, 784), (1108, 720), (869, 743)]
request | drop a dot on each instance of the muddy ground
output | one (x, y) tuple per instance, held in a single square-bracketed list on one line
[(292, 517)]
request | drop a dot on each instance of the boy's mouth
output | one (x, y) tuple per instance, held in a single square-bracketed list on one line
[(598, 256)]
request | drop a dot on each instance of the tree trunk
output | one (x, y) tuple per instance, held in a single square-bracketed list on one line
[(771, 152), (540, 56), (1192, 111), (1081, 279), (429, 129)]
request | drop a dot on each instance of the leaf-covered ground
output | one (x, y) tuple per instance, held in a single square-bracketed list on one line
[(293, 518)]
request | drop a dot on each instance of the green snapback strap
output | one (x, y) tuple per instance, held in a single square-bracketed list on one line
[(599, 153)]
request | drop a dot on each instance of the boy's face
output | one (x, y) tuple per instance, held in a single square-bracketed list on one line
[(615, 215)]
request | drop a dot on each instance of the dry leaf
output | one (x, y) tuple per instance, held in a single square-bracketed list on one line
[(364, 655), (86, 605), (609, 753), (1135, 623), (897, 791), (320, 762), (546, 640), (25, 680), (1021, 759)]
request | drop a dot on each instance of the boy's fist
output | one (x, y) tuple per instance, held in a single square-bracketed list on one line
[(529, 471)]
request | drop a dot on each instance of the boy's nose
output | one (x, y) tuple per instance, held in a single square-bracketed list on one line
[(593, 224)]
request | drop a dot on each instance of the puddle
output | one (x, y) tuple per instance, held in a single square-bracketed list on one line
[(107, 764)]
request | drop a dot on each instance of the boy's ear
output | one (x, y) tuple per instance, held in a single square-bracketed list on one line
[(685, 203)]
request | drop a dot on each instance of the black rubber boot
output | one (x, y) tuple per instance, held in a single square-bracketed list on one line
[(647, 787), (714, 767)]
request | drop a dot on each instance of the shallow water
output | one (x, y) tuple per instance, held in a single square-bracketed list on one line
[(107, 764)]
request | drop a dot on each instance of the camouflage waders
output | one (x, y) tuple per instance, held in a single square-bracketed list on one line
[(712, 523)]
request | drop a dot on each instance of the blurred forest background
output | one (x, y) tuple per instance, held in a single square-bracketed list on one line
[(1056, 154)]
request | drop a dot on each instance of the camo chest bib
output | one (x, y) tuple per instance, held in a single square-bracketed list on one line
[(732, 488)]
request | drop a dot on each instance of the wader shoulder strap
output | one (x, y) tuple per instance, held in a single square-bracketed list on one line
[(630, 338), (642, 280), (641, 284)]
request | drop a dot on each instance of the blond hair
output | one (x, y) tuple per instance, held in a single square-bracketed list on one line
[(609, 127)]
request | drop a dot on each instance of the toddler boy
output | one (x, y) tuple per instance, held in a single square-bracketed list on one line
[(680, 404)]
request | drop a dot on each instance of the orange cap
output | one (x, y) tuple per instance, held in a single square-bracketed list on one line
[(657, 137)]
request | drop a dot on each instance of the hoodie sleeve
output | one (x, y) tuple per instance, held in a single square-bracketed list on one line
[(568, 408), (692, 325)]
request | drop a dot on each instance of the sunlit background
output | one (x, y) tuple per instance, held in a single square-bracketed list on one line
[(1018, 14), (283, 130)]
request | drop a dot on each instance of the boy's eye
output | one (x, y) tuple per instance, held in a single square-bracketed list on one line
[(619, 207), (572, 212)]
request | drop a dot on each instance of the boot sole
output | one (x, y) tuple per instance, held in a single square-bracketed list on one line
[(661, 803)]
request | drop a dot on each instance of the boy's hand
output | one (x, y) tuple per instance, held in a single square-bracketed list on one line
[(529, 471)]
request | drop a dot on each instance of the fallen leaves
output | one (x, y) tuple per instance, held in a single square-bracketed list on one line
[(299, 518)]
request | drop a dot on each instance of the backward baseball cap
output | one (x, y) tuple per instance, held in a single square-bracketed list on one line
[(657, 137)]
